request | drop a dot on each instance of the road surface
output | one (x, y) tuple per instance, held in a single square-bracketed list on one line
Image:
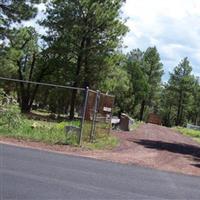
[(27, 174)]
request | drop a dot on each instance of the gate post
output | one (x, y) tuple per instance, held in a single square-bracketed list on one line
[(83, 117), (95, 111)]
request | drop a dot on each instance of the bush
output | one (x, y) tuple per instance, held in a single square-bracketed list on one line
[(10, 117), (1, 97)]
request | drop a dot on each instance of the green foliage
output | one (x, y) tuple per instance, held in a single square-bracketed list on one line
[(17, 10), (24, 60), (153, 69), (180, 87), (82, 48), (108, 142), (14, 11), (10, 117), (136, 125), (1, 94), (194, 104), (13, 124), (21, 53), (138, 88), (37, 131), (84, 34), (189, 132), (62, 125), (120, 89), (167, 109), (144, 70)]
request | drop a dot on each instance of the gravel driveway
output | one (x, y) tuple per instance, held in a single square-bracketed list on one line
[(162, 148)]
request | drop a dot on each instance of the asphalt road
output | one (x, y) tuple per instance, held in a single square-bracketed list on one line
[(27, 174)]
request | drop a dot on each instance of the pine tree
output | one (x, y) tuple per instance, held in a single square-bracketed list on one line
[(12, 11), (181, 84), (153, 70), (86, 33)]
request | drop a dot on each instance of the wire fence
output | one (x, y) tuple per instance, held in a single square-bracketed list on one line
[(78, 111), (99, 114)]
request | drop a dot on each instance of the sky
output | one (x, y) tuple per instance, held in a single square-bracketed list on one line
[(173, 26)]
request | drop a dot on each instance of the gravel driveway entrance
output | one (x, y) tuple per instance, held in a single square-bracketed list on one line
[(162, 148)]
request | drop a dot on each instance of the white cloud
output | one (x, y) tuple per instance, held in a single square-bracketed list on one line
[(172, 25)]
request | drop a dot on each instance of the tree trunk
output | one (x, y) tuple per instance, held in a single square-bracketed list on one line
[(196, 119), (179, 110), (25, 106), (26, 99), (78, 69), (181, 116), (72, 106), (142, 110), (169, 117)]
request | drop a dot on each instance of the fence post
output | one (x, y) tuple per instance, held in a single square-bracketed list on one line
[(94, 116), (111, 115), (83, 117)]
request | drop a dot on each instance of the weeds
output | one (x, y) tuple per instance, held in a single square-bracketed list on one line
[(13, 124), (135, 125), (189, 132), (108, 142)]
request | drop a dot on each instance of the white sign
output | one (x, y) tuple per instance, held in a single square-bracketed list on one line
[(106, 109)]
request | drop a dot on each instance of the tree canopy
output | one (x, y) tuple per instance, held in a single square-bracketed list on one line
[(83, 47)]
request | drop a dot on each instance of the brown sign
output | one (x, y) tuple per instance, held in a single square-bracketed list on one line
[(104, 106), (154, 119)]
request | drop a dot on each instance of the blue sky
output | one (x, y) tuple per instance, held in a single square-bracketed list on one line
[(173, 26)]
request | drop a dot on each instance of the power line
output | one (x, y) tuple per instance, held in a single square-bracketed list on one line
[(39, 83)]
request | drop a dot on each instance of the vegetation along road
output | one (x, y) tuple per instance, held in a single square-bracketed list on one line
[(33, 174)]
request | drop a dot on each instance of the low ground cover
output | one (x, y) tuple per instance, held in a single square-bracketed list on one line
[(189, 132), (14, 124), (135, 125)]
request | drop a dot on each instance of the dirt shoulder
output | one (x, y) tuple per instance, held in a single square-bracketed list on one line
[(150, 146)]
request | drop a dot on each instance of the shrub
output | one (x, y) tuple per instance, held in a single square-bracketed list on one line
[(10, 117)]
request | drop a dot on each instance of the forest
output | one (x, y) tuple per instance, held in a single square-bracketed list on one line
[(83, 47)]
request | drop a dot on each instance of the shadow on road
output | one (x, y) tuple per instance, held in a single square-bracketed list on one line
[(196, 165), (180, 148), (198, 162)]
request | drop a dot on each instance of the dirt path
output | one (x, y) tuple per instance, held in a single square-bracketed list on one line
[(162, 148), (150, 145)]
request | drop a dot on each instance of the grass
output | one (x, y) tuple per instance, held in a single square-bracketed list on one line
[(189, 132), (135, 125), (107, 143), (14, 125), (32, 130)]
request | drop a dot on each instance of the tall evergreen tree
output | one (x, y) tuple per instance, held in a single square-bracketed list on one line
[(85, 33), (138, 79), (12, 11), (167, 106), (181, 83), (153, 70), (194, 112), (120, 89), (25, 61)]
